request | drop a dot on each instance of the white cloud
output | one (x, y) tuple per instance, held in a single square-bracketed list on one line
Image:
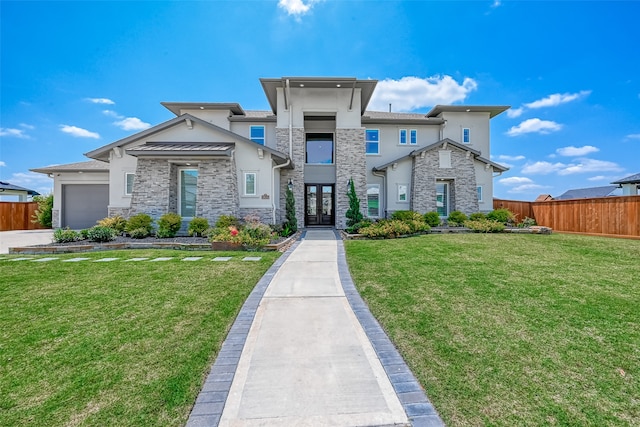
[(525, 188), (33, 181), (297, 7), (557, 99), (132, 123), (510, 158), (411, 93), (590, 165), (634, 136), (79, 132), (112, 113), (515, 112), (572, 151), (534, 126), (27, 126), (543, 168), (515, 180), (100, 101), (496, 3), (16, 133), (598, 178), (2, 163)]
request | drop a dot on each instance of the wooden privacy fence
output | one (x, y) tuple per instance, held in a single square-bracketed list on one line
[(17, 216), (618, 216)]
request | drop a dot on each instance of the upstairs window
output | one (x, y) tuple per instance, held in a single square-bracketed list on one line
[(413, 138), (403, 136), (466, 135), (372, 141), (319, 149), (257, 134)]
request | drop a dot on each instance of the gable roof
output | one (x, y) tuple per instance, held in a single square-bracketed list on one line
[(102, 153), (588, 193), (89, 166), (493, 110), (7, 187), (632, 179), (444, 142)]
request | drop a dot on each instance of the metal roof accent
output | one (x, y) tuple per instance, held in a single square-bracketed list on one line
[(181, 148)]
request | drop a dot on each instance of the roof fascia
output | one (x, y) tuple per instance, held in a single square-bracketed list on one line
[(493, 110), (175, 107)]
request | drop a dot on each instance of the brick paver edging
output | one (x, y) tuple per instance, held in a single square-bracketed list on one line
[(211, 400), (416, 405)]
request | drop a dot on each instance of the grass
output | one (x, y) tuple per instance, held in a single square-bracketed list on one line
[(507, 330), (117, 343)]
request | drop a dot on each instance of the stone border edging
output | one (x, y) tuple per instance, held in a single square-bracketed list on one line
[(415, 402), (211, 399)]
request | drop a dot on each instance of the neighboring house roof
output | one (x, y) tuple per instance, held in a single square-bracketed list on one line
[(89, 166), (493, 110), (444, 143), (633, 179), (270, 87), (544, 198), (6, 187), (177, 148), (588, 193), (102, 153)]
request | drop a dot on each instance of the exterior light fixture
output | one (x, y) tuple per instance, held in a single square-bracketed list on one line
[(290, 185)]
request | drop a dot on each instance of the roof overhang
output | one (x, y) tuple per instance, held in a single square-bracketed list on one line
[(89, 166), (177, 107), (182, 149), (493, 110), (271, 85)]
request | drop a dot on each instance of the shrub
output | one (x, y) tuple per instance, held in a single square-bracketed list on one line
[(417, 225), (456, 218), (353, 214), (43, 214), (99, 233), (484, 226), (65, 235), (476, 216), (117, 223), (198, 226), (139, 233), (140, 221), (168, 225), (291, 222), (357, 227), (432, 218), (386, 229), (527, 222), (84, 233), (503, 216), (406, 215), (227, 221)]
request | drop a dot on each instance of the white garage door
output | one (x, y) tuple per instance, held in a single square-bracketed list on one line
[(84, 204)]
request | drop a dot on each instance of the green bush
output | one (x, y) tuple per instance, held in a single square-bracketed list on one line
[(139, 233), (387, 229), (484, 226), (65, 235), (43, 214), (432, 219), (527, 222), (168, 225), (140, 221), (353, 214), (99, 233), (84, 233), (117, 223), (357, 227), (407, 215), (417, 225), (476, 216), (198, 226), (503, 216), (291, 222), (456, 218), (227, 221)]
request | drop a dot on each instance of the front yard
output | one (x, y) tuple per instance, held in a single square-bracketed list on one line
[(512, 329), (114, 343)]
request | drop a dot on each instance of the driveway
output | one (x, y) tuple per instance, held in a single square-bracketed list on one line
[(18, 238)]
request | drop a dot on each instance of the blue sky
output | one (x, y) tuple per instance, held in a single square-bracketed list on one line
[(81, 74)]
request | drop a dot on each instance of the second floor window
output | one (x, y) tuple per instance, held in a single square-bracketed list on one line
[(372, 141), (257, 134), (466, 135), (413, 140), (403, 136)]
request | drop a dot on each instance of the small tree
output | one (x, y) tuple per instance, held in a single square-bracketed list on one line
[(353, 215), (43, 215), (291, 221)]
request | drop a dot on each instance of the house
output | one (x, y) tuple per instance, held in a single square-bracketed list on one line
[(588, 193), (629, 185), (217, 158), (8, 189)]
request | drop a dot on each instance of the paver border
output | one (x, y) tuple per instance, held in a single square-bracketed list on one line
[(414, 400), (210, 402)]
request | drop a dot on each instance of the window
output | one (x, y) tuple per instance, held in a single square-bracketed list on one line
[(373, 200), (403, 136), (413, 138), (128, 183), (466, 135), (479, 190), (188, 190), (372, 141), (403, 193), (319, 148), (442, 198), (444, 157), (250, 187), (257, 134)]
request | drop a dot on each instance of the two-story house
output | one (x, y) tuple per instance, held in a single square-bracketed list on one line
[(217, 158)]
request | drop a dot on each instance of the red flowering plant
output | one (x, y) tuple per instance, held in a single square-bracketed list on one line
[(252, 235)]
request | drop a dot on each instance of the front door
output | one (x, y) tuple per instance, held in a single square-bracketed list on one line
[(319, 204)]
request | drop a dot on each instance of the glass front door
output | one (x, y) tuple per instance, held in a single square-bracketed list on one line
[(442, 198), (319, 204)]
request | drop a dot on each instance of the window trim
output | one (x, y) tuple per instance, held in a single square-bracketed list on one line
[(366, 143), (264, 134), (379, 200), (179, 204), (255, 184), (413, 136), (406, 193), (402, 133), (468, 139), (479, 193), (126, 183)]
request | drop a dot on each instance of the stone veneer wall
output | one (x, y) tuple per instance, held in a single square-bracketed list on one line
[(217, 189), (296, 175), (350, 164), (123, 212), (463, 194), (173, 188), (151, 188), (265, 214)]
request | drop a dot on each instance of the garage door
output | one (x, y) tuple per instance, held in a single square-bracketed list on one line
[(84, 204)]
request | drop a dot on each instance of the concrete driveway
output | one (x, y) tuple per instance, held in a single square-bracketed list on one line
[(19, 238)]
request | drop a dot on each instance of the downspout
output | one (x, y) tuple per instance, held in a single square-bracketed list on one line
[(273, 186), (384, 188)]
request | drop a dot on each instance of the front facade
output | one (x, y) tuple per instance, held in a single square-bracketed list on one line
[(217, 159)]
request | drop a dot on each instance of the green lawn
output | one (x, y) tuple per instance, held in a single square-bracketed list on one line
[(511, 330), (118, 343)]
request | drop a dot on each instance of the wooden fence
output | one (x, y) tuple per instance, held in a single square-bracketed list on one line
[(17, 216), (619, 216)]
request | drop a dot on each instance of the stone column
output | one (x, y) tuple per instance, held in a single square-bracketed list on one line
[(152, 187), (350, 164), (296, 174)]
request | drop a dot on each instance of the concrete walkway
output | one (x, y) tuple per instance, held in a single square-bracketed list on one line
[(19, 238), (305, 351)]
